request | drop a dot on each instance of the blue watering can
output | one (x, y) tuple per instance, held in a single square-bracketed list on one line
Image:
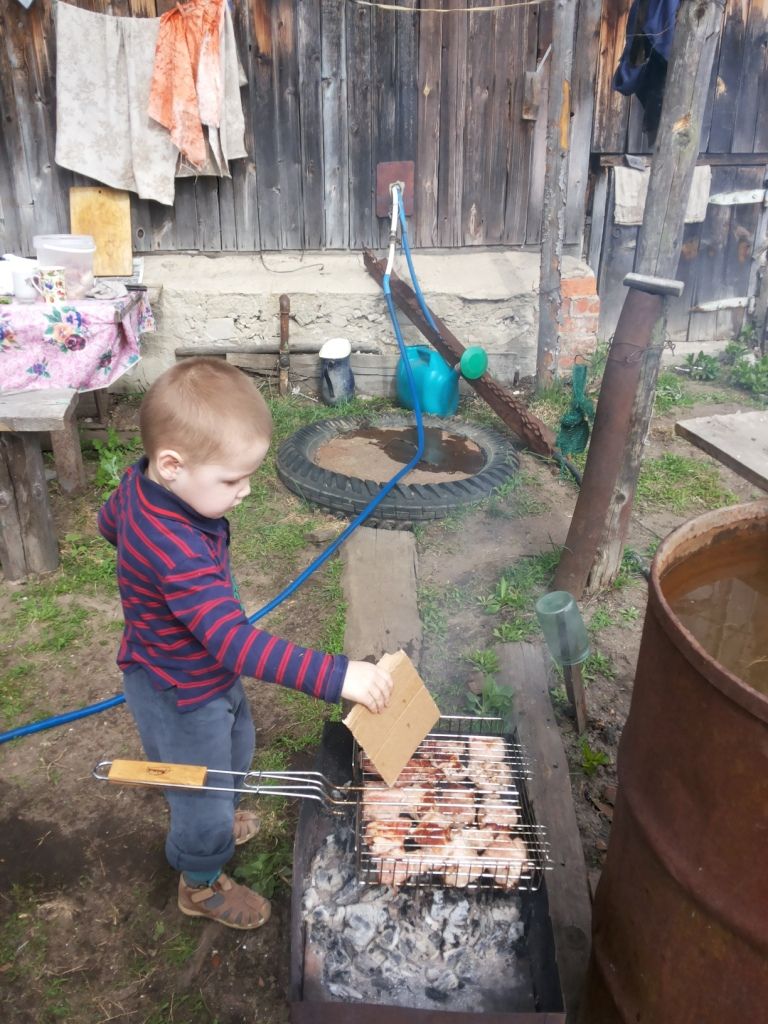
[(437, 385)]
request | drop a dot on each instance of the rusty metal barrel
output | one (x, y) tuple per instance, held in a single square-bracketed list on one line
[(680, 919)]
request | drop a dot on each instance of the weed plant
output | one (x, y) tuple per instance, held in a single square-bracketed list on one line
[(591, 759)]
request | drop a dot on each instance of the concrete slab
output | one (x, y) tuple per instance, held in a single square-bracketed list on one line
[(739, 441), (380, 590)]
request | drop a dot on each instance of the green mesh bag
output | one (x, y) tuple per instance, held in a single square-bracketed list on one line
[(574, 426)]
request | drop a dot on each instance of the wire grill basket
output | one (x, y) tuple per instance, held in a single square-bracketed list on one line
[(458, 816)]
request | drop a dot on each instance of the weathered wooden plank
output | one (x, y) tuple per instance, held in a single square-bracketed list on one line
[(679, 320), (496, 181), (12, 558), (24, 460), (739, 441), (598, 220), (384, 121), (308, 48), (710, 258), (208, 220), (760, 85), (227, 214), (385, 618), (743, 246), (609, 129), (617, 258), (523, 51), (585, 60), (335, 136), (374, 374), (451, 142), (525, 669), (406, 86), (265, 126), (477, 131), (754, 76), (429, 111), (539, 143), (68, 457), (287, 122), (245, 185), (47, 409), (362, 229), (729, 64)]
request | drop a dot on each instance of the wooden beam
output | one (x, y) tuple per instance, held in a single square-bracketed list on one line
[(555, 190), (526, 670)]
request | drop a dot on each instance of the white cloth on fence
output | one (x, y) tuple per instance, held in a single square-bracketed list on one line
[(632, 188), (103, 75)]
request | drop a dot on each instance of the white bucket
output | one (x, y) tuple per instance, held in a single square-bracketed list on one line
[(74, 253)]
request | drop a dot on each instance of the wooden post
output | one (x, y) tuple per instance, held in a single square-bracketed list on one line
[(26, 524), (574, 687), (658, 254), (555, 190)]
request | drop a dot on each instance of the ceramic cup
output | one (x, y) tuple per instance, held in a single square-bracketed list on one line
[(49, 282), (23, 289)]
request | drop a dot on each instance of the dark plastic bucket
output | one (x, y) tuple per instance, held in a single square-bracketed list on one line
[(680, 920)]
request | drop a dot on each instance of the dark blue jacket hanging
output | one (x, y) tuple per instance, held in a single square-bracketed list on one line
[(642, 67)]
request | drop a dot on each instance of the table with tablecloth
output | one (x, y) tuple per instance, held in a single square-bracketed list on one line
[(84, 345)]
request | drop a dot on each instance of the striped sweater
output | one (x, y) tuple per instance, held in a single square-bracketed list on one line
[(184, 624)]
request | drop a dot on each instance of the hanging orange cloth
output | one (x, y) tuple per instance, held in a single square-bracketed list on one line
[(186, 91)]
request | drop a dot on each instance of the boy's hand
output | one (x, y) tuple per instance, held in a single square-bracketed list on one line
[(367, 684)]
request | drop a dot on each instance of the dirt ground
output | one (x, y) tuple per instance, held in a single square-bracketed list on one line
[(89, 928)]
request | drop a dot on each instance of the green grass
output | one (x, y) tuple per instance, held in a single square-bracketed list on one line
[(597, 664), (671, 393), (682, 484), (515, 595), (601, 619), (333, 594), (435, 605), (516, 498)]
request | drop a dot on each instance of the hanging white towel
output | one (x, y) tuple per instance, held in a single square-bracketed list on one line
[(103, 75)]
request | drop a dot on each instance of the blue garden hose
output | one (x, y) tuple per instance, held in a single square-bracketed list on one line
[(93, 709)]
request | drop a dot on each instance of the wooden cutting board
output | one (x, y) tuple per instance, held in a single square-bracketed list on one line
[(104, 213)]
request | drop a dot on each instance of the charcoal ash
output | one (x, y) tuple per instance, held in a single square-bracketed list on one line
[(412, 947)]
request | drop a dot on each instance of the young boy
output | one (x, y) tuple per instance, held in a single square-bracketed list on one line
[(205, 430)]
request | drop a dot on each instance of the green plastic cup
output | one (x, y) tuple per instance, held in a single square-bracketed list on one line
[(563, 627)]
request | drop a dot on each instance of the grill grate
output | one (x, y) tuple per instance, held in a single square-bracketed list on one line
[(459, 815)]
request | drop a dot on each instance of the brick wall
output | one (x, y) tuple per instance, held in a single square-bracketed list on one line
[(579, 315)]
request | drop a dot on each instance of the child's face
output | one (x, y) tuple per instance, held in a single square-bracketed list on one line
[(214, 488)]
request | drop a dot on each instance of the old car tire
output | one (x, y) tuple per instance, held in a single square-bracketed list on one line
[(406, 502)]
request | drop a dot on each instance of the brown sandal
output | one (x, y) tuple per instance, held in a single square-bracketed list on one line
[(233, 905), (247, 825)]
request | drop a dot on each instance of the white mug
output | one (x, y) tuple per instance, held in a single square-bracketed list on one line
[(23, 289)]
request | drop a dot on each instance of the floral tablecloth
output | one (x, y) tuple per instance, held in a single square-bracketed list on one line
[(75, 345)]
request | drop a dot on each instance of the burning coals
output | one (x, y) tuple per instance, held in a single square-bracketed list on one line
[(420, 949)]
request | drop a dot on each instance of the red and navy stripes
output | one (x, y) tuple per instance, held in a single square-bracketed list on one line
[(183, 623)]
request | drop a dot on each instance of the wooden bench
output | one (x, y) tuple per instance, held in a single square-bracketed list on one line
[(27, 534)]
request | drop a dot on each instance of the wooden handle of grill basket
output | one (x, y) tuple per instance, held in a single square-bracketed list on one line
[(157, 773)]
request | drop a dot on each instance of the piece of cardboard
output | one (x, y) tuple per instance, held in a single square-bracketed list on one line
[(391, 737)]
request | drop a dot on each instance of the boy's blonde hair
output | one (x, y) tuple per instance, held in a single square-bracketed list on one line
[(202, 408)]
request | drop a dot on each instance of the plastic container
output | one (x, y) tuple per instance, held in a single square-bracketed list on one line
[(337, 382), (563, 627), (75, 254)]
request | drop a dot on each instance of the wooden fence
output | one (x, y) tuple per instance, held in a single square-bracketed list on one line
[(333, 89)]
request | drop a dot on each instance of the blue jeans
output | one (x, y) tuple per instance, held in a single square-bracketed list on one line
[(219, 734)]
